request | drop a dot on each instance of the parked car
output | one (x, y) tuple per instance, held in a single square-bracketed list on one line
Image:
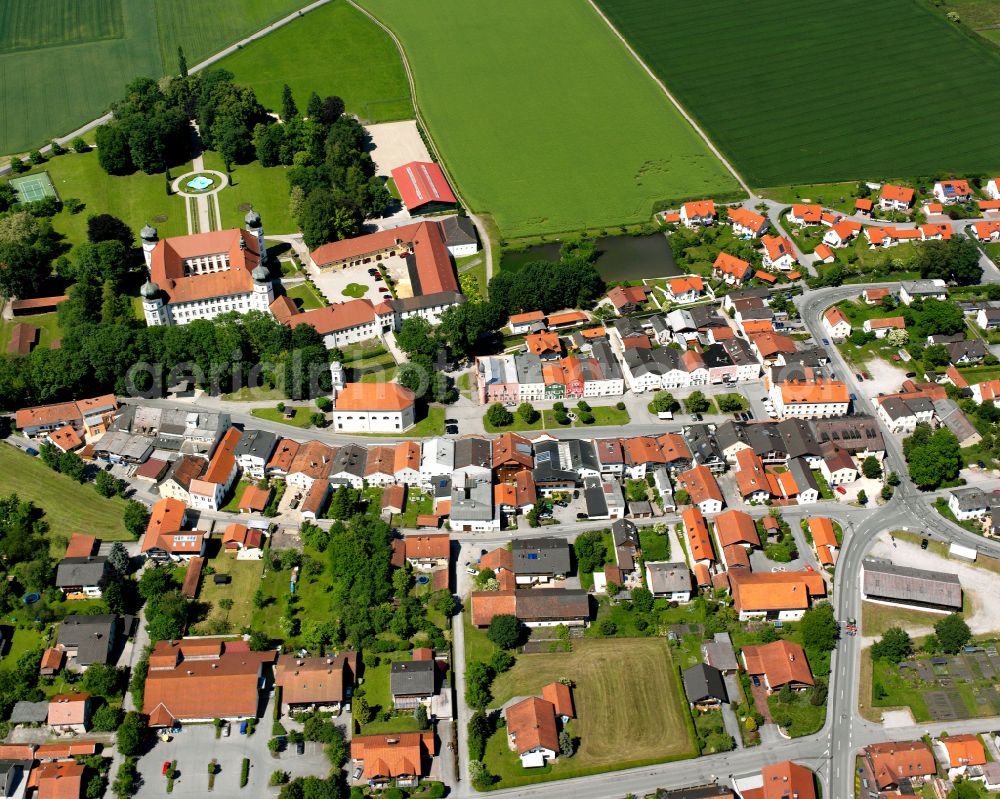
[(981, 464), (356, 774), (749, 415), (854, 397), (826, 342), (911, 374), (860, 377), (841, 490), (166, 767), (383, 289), (697, 417), (923, 543), (300, 747), (226, 730), (243, 728), (32, 452), (451, 421)]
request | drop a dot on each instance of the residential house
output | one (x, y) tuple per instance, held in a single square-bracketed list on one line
[(373, 408), (952, 417), (987, 231), (779, 253), (987, 391), (314, 503), (824, 540), (413, 682), (539, 607), (406, 463), (540, 560), (785, 780), (837, 466), (177, 483), (89, 639), (166, 537), (746, 224), (734, 528), (437, 460), (863, 205), (207, 492), (902, 415), (603, 498), (988, 318), (699, 542), (751, 479), (671, 581), (472, 506), (511, 455), (401, 758), (201, 679), (316, 682), (610, 455), (675, 453), (959, 753), (529, 322), (841, 234), (776, 596), (83, 577), (836, 323), (428, 552), (61, 779), (730, 269), (704, 687), (966, 352), (896, 763), (702, 488), (91, 417), (70, 713), (561, 697), (532, 731), (254, 499), (859, 435), (950, 192), (969, 503), (627, 299), (778, 664), (698, 214), (895, 198), (516, 497), (253, 452), (909, 290), (546, 345), (685, 289), (805, 215), (875, 296), (246, 542), (282, 458), (311, 462), (719, 654), (768, 346)]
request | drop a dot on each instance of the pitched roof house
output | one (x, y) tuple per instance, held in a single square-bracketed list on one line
[(532, 730), (315, 681), (778, 664), (403, 757)]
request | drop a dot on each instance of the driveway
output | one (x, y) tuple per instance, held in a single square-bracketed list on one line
[(196, 745)]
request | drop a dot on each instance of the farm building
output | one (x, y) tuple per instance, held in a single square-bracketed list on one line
[(902, 585)]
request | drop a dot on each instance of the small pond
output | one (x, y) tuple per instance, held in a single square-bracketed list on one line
[(618, 257)]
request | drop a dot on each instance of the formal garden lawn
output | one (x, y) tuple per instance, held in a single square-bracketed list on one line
[(136, 199), (827, 130), (69, 506), (359, 63), (264, 188), (592, 118), (47, 324), (626, 717), (305, 297), (300, 419)]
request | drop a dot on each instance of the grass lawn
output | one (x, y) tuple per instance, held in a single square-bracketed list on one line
[(246, 580), (359, 62), (136, 199), (417, 504), (805, 717), (69, 506), (354, 290), (314, 599), (247, 394), (477, 645), (857, 134), (265, 188), (24, 640), (62, 63), (637, 147), (47, 324), (653, 545), (876, 618), (518, 425), (625, 717), (301, 418), (233, 505), (306, 297), (839, 196), (977, 374)]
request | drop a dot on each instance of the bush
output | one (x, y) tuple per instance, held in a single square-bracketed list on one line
[(245, 772), (620, 406), (607, 627), (324, 403), (79, 145), (278, 778)]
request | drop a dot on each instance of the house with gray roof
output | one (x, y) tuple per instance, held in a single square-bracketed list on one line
[(669, 580), (902, 416), (459, 236), (800, 442), (254, 450), (472, 506), (882, 581), (89, 639), (910, 290), (860, 435), (540, 560), (719, 652), (473, 459), (965, 352), (83, 577), (348, 465), (603, 498), (768, 443), (29, 713), (952, 417), (808, 488), (704, 449), (969, 503), (704, 687), (412, 682)]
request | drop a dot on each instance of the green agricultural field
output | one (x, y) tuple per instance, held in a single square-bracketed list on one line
[(205, 28), (839, 91), (62, 63), (543, 118), (360, 63), (69, 506)]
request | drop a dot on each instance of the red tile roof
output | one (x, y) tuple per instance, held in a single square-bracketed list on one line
[(781, 662), (436, 546), (532, 724), (893, 761), (81, 545), (747, 218), (63, 780), (787, 780), (700, 484), (320, 680), (698, 539), (254, 498), (337, 317), (393, 754), (167, 269), (736, 527), (901, 194), (561, 698), (420, 183), (192, 577), (374, 397)]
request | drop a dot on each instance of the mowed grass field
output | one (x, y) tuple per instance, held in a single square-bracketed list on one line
[(69, 506), (359, 62), (626, 715), (811, 93), (543, 118), (62, 63)]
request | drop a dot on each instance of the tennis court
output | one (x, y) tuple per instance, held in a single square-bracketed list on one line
[(32, 188)]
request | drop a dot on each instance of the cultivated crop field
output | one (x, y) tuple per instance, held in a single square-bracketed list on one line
[(625, 716), (542, 116), (360, 63), (62, 62), (811, 93)]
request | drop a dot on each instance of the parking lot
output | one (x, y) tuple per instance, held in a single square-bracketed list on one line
[(341, 285), (196, 745)]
